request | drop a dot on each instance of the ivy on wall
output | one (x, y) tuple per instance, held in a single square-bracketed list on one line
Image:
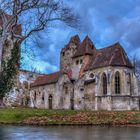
[(9, 71)]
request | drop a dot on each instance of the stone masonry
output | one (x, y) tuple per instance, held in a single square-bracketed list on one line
[(89, 78)]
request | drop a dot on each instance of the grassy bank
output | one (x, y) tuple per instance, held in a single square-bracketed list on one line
[(45, 117)]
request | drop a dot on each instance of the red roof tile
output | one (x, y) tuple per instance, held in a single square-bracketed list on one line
[(86, 47), (113, 55), (74, 40), (47, 79)]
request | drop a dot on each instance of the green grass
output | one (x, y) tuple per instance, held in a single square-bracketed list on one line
[(15, 115), (44, 117)]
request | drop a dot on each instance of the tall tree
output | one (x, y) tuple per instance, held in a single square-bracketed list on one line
[(136, 63), (19, 20)]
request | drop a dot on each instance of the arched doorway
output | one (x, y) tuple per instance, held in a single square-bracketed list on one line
[(50, 101)]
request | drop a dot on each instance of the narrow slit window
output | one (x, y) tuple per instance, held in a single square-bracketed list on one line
[(77, 62), (81, 61)]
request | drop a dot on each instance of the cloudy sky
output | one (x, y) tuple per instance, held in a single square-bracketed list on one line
[(105, 21)]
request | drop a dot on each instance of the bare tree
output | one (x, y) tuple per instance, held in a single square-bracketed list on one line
[(19, 20), (136, 63)]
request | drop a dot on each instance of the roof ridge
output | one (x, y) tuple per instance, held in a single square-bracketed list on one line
[(110, 46), (51, 73), (122, 54), (46, 79)]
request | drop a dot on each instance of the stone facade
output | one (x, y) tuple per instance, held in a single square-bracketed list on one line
[(19, 95), (88, 79)]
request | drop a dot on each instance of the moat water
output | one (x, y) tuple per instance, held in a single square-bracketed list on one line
[(69, 133)]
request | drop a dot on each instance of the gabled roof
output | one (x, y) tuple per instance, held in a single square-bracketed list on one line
[(86, 47), (113, 55), (47, 79), (74, 40)]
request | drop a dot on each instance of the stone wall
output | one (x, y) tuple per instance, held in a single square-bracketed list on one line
[(93, 97), (76, 66), (86, 92), (110, 73), (20, 94), (59, 92), (117, 103), (40, 96), (66, 57)]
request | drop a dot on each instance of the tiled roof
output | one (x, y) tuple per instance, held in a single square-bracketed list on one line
[(89, 81), (86, 47), (47, 79), (113, 55), (74, 40)]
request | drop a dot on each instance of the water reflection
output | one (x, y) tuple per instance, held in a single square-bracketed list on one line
[(69, 133)]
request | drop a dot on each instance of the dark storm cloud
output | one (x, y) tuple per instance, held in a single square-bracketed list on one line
[(105, 21)]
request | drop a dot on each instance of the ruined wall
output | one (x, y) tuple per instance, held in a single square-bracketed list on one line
[(64, 90), (76, 66), (59, 92), (67, 53), (40, 95), (87, 92), (79, 92), (20, 94), (79, 65)]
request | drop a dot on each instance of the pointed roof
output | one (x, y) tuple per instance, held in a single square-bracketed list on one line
[(74, 40), (113, 55), (86, 47)]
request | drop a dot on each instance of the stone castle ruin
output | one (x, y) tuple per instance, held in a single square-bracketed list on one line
[(89, 78)]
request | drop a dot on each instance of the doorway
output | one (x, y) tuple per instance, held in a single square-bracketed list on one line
[(50, 101)]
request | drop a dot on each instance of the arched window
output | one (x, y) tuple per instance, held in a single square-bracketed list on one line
[(35, 96), (50, 101), (43, 98), (91, 75), (129, 83), (66, 90), (104, 81), (117, 83)]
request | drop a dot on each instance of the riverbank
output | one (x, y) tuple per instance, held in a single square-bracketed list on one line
[(26, 116)]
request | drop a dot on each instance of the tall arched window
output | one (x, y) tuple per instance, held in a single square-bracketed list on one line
[(35, 96), (104, 81), (50, 101), (129, 83), (43, 98), (117, 83)]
